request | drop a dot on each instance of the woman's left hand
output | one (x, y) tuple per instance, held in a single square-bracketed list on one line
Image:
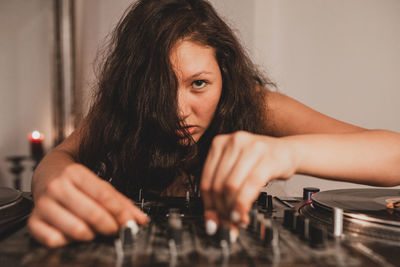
[(238, 165)]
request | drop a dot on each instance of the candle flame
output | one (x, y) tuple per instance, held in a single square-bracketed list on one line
[(36, 135)]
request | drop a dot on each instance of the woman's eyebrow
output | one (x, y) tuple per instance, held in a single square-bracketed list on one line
[(197, 74)]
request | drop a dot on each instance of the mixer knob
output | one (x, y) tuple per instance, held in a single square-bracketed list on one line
[(308, 192), (187, 197), (253, 219), (260, 225), (142, 204), (176, 235), (271, 234), (302, 227), (299, 224), (270, 206), (262, 199), (294, 224), (140, 195), (288, 217), (225, 234), (175, 226), (126, 238), (317, 236), (128, 233)]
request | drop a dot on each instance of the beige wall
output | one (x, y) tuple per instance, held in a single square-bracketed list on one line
[(25, 79), (95, 19), (341, 57)]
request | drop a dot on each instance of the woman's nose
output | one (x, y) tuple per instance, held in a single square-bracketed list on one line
[(183, 105)]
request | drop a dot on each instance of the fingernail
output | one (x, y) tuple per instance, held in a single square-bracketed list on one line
[(211, 227), (145, 218), (235, 216), (233, 235), (133, 226)]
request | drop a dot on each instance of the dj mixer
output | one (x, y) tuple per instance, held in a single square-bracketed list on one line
[(354, 227)]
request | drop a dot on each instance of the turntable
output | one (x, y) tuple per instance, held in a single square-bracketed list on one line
[(354, 227), (15, 207), (365, 212)]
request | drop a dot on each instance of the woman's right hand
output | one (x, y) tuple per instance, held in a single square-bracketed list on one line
[(76, 205)]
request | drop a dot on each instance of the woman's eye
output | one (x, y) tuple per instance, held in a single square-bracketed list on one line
[(198, 84)]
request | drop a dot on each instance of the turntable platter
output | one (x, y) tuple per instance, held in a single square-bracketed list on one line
[(15, 207), (8, 196), (369, 202)]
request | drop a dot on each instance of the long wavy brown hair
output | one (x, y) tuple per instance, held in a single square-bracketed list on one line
[(130, 133)]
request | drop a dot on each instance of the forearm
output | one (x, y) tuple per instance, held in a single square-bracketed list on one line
[(368, 157)]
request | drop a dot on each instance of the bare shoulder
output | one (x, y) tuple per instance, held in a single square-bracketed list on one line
[(287, 116), (71, 144)]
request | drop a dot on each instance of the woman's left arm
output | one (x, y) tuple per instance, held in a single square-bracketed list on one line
[(327, 148), (367, 157), (301, 141)]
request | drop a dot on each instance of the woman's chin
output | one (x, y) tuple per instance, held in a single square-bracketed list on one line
[(189, 141)]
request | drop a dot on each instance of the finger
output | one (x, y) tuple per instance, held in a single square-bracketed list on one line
[(137, 214), (228, 159), (84, 207), (46, 234), (211, 222), (247, 194), (60, 218), (240, 172), (209, 170), (106, 195), (234, 233)]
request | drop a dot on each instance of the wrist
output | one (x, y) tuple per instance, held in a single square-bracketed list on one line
[(294, 151)]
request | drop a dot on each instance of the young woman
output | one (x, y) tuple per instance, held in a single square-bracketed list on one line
[(179, 107)]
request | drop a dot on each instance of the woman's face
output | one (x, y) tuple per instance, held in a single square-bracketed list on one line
[(199, 85)]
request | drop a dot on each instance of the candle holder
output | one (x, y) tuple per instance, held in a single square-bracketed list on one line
[(17, 168)]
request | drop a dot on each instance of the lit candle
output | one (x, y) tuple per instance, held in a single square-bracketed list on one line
[(36, 140)]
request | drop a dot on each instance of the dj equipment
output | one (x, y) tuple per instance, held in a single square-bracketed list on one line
[(354, 227)]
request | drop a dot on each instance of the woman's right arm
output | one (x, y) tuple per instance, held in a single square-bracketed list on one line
[(72, 203)]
